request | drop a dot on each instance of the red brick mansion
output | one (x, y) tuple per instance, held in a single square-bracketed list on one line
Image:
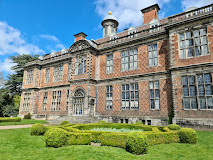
[(143, 73)]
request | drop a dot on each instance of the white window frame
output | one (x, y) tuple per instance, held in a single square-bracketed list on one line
[(154, 86), (109, 97), (153, 55), (109, 63), (129, 60)]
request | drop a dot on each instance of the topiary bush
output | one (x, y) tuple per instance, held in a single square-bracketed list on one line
[(56, 137), (187, 135), (138, 122), (64, 122), (174, 127), (38, 129), (27, 116), (101, 121), (137, 143)]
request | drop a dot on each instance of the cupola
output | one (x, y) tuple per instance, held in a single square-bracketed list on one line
[(109, 25)]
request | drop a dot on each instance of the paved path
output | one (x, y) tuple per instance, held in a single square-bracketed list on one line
[(16, 126)]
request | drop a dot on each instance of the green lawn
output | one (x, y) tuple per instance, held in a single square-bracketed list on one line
[(24, 121), (18, 144)]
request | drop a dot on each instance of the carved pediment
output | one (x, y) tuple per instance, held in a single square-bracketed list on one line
[(79, 45)]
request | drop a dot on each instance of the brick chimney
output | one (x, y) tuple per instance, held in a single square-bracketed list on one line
[(150, 13), (80, 36)]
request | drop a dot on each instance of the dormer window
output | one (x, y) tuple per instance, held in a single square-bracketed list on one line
[(154, 25), (113, 38), (132, 32)]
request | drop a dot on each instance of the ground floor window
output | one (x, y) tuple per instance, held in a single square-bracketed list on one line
[(78, 102), (130, 96), (197, 91), (44, 108), (56, 101), (26, 102), (108, 97), (154, 94)]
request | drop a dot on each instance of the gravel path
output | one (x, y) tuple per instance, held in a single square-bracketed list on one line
[(16, 126)]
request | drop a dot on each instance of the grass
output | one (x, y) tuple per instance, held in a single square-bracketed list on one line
[(18, 144), (24, 121), (124, 130)]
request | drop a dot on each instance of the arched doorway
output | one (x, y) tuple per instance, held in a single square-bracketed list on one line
[(78, 104)]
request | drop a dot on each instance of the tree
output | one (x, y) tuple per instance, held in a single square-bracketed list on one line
[(14, 83)]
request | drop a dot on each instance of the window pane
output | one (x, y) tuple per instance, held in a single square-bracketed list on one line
[(202, 103), (197, 51), (189, 43), (127, 95), (132, 94), (136, 94), (152, 103), (208, 90), (190, 52), (201, 90), (186, 103), (204, 50), (185, 91), (209, 102), (155, 61), (191, 80), (182, 44), (192, 90), (188, 35), (197, 41), (202, 32), (196, 33), (203, 40), (136, 86), (127, 87), (157, 104), (155, 47), (150, 62), (200, 79), (193, 103), (182, 53), (156, 93), (123, 87), (150, 54), (182, 36), (156, 84), (207, 78), (132, 86), (123, 104), (136, 104), (151, 93), (151, 85), (149, 47), (123, 95)]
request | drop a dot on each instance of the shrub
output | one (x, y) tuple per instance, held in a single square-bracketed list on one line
[(79, 138), (101, 121), (174, 127), (64, 122), (187, 135), (38, 129), (137, 143), (27, 116), (138, 123), (15, 119), (56, 137)]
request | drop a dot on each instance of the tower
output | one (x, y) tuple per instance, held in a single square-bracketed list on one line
[(109, 25)]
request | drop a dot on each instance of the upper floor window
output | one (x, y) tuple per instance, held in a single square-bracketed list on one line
[(153, 55), (56, 100), (193, 43), (129, 60), (109, 63), (80, 65), (45, 101), (154, 93), (58, 73), (29, 78), (130, 96), (26, 102), (47, 75), (69, 71), (197, 91), (108, 97)]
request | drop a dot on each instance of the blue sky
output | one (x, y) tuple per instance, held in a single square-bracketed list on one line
[(42, 26)]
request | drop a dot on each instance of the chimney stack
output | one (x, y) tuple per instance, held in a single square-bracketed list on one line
[(80, 36), (150, 13)]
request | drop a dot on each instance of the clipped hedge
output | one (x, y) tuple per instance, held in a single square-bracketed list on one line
[(101, 121), (187, 135), (56, 137), (137, 143), (15, 119), (38, 129), (79, 138), (114, 139), (174, 127), (64, 122)]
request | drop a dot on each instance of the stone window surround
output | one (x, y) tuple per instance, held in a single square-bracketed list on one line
[(128, 50), (29, 78), (191, 30)]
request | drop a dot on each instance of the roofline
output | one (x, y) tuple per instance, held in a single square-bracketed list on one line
[(148, 8)]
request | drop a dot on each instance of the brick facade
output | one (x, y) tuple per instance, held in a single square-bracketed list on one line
[(87, 86)]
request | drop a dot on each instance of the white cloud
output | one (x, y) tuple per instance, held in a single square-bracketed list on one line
[(49, 37), (196, 3), (60, 46), (6, 65), (127, 12), (12, 42)]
